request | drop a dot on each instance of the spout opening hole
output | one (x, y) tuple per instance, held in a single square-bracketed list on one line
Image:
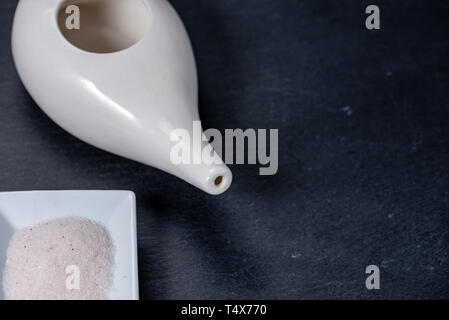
[(218, 181), (105, 26)]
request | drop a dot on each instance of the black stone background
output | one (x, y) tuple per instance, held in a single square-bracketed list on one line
[(364, 154)]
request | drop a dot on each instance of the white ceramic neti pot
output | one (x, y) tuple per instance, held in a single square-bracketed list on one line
[(122, 82)]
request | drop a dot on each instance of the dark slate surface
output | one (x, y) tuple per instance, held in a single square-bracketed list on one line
[(364, 122)]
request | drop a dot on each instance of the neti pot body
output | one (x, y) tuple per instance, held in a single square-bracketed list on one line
[(126, 102)]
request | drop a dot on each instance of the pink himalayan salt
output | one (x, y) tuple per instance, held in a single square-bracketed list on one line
[(38, 256)]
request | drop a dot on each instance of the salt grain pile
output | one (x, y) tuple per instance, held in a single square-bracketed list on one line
[(37, 259)]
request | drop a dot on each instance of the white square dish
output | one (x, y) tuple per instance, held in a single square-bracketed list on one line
[(115, 209)]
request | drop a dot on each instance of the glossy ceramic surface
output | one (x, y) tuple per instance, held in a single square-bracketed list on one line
[(126, 102)]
